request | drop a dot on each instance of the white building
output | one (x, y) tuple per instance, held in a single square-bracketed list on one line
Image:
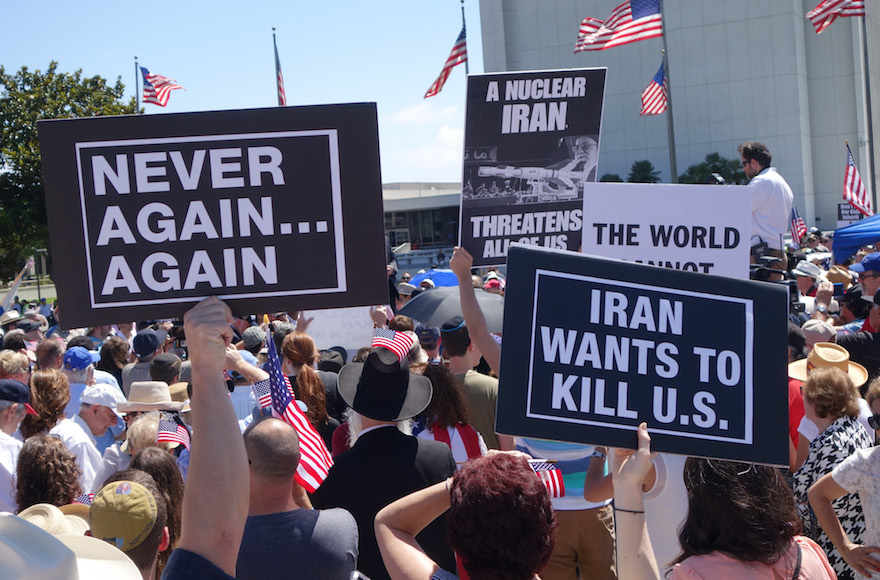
[(739, 70)]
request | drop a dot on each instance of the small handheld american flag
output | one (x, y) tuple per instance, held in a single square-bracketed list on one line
[(397, 342), (549, 475), (170, 431)]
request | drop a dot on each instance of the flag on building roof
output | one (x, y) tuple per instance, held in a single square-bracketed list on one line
[(397, 342), (798, 227), (654, 97), (315, 461), (170, 431), (157, 89), (828, 10), (282, 98), (550, 476), (630, 22), (455, 58), (853, 189)]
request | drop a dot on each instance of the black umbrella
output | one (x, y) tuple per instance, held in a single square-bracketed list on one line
[(436, 306)]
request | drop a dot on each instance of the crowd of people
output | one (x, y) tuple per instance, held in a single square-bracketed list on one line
[(145, 449)]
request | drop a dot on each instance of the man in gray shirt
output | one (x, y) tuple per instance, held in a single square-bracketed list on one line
[(281, 539)]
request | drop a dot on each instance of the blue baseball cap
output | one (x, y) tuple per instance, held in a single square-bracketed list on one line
[(77, 358), (869, 262)]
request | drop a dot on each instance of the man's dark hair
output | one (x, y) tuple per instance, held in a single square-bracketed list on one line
[(15, 340), (757, 151), (83, 341), (144, 553), (165, 367), (456, 341), (280, 331), (271, 453)]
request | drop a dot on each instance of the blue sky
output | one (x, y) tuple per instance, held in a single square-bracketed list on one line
[(389, 51)]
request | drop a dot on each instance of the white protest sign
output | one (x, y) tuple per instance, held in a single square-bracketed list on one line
[(350, 328), (696, 228)]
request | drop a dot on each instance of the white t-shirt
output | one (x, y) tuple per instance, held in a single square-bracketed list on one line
[(860, 472), (9, 448)]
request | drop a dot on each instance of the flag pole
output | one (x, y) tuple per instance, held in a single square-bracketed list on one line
[(137, 92), (868, 112), (277, 70), (670, 126), (467, 69)]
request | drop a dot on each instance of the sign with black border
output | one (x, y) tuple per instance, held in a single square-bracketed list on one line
[(592, 347), (269, 209)]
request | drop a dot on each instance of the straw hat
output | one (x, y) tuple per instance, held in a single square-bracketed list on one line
[(51, 519), (179, 395), (77, 514), (149, 396), (827, 354)]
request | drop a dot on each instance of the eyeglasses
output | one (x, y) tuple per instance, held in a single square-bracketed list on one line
[(874, 421), (746, 162), (866, 275)]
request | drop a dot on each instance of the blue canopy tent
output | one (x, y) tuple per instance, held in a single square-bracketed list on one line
[(440, 277), (849, 239)]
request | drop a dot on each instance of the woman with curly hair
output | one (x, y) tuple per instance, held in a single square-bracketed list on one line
[(50, 394), (46, 473), (316, 389), (445, 418), (501, 523), (831, 402)]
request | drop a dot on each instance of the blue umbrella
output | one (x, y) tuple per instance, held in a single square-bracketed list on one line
[(440, 277)]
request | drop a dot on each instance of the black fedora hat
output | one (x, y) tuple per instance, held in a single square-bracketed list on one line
[(382, 388)]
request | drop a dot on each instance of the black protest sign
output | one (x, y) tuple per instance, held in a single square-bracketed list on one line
[(531, 143), (270, 209), (607, 344)]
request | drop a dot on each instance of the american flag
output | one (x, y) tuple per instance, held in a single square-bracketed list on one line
[(550, 476), (853, 189), (397, 342), (654, 96), (630, 22), (282, 98), (828, 10), (315, 461), (85, 499), (456, 57), (798, 227), (157, 88), (170, 431)]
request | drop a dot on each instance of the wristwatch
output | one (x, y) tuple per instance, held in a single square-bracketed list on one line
[(822, 308)]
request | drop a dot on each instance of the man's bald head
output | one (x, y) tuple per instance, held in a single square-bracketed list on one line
[(272, 448)]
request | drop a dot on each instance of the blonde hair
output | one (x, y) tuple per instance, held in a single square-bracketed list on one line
[(143, 431), (12, 363)]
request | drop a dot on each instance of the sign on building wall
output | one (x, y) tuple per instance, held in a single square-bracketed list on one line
[(593, 347), (695, 228), (531, 143), (270, 209)]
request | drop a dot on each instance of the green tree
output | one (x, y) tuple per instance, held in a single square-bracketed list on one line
[(729, 169), (25, 98), (643, 172), (611, 177)]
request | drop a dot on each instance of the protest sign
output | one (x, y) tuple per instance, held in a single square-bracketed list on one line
[(696, 228), (531, 143), (593, 347), (350, 328), (269, 209)]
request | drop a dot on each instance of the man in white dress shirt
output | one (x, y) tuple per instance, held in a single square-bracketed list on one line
[(14, 404)]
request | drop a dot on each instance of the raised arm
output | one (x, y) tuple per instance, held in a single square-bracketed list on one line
[(215, 503), (635, 556), (820, 495), (235, 362), (461, 263), (397, 525)]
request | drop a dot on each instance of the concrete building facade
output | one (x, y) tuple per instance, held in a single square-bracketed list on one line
[(752, 69)]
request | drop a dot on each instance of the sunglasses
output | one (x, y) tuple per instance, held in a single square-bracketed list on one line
[(874, 421)]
